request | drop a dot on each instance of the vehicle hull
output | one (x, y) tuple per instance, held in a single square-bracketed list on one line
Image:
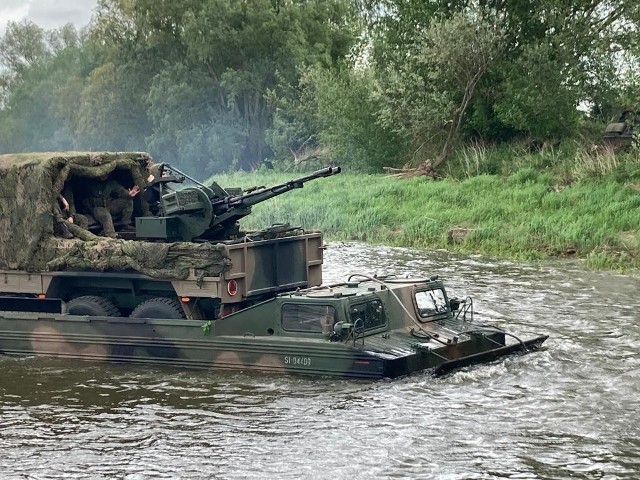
[(183, 343)]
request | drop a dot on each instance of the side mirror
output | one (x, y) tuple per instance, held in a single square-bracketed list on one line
[(454, 304)]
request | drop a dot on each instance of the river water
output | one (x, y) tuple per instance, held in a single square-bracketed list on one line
[(569, 411)]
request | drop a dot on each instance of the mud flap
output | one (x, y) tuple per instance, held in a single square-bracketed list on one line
[(531, 345)]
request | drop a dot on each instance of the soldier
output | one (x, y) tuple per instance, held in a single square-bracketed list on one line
[(107, 199), (60, 228), (152, 192), (64, 212)]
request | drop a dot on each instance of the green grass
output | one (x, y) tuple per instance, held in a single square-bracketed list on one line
[(521, 216)]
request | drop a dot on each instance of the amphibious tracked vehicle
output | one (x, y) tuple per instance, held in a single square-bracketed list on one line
[(188, 288)]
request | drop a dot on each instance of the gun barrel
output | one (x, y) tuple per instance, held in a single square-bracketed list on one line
[(254, 197), (323, 172)]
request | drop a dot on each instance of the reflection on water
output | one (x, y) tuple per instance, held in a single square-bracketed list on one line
[(569, 411)]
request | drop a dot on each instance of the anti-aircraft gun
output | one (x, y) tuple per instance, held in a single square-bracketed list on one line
[(201, 212)]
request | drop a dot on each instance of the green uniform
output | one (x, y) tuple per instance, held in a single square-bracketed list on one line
[(60, 228), (78, 219), (61, 215), (108, 200)]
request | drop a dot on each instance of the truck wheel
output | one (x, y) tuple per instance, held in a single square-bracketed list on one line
[(159, 307), (92, 305)]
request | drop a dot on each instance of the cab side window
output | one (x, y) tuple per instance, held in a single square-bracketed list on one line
[(308, 318), (370, 315)]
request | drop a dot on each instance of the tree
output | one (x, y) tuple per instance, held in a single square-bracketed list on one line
[(537, 96), (428, 96), (208, 70), (556, 55), (345, 116), (23, 46), (111, 115), (248, 49), (40, 66)]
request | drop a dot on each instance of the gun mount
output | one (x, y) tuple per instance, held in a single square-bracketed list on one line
[(201, 212)]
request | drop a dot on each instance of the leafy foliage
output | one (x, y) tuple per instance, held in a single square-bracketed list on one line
[(428, 94), (189, 78), (346, 115), (214, 85)]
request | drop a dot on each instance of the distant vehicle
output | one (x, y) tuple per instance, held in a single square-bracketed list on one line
[(620, 131), (189, 288)]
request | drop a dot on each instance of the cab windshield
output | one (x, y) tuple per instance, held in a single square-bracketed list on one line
[(431, 302)]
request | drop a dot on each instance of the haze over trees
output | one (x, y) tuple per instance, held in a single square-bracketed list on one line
[(218, 85)]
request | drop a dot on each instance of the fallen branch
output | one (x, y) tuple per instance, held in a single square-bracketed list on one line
[(425, 169)]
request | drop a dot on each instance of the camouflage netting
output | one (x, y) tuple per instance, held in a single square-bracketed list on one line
[(29, 186), (159, 260)]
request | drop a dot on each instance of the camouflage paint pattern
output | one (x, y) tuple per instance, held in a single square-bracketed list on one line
[(255, 339)]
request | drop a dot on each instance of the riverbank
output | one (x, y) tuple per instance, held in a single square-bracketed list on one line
[(523, 216)]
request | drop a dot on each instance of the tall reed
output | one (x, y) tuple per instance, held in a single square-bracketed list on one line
[(520, 216)]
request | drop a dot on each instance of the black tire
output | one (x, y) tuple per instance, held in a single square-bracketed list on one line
[(159, 307), (92, 305)]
